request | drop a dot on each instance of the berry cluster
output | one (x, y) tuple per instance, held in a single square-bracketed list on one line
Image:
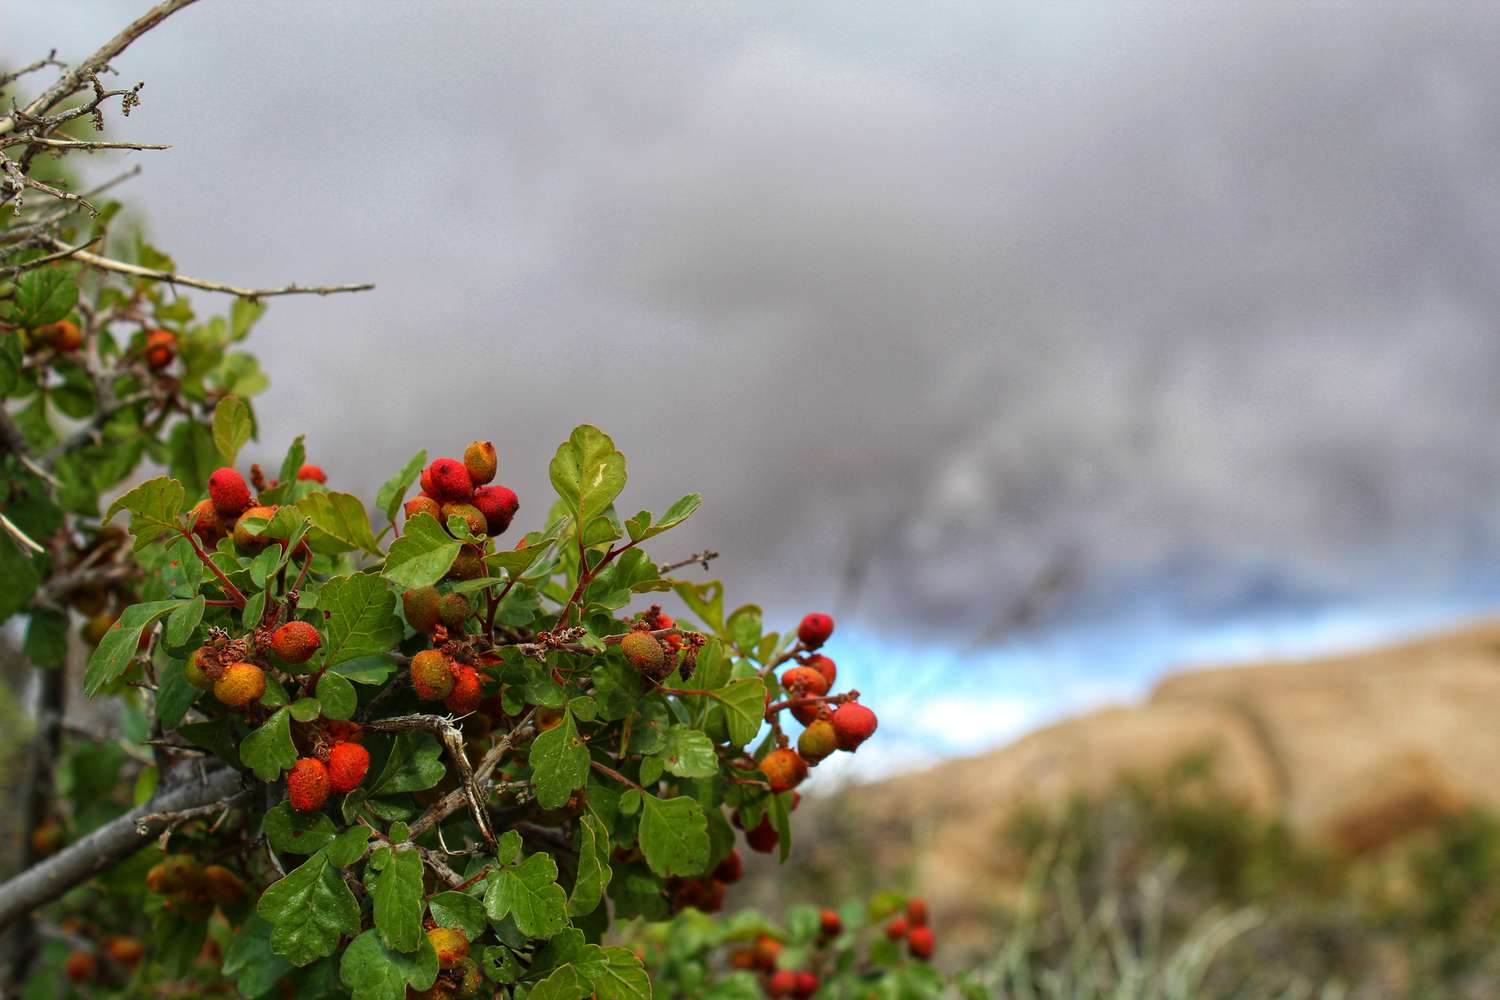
[(458, 974), (911, 927), (193, 890), (451, 488)]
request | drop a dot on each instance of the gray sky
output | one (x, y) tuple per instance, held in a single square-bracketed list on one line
[(1201, 294)]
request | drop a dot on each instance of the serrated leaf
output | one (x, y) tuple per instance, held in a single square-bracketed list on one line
[(297, 833), (398, 900), (530, 894), (310, 910), (508, 849), (349, 846), (393, 492), (268, 751), (373, 971), (515, 562), (232, 427), (674, 835), (336, 695), (594, 868), (588, 473), (362, 618), (413, 765), (559, 763), (121, 642), (689, 753), (744, 704), (562, 983), (155, 507), (641, 529), (459, 909), (615, 973), (422, 555), (339, 522)]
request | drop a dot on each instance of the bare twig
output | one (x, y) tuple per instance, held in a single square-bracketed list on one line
[(699, 559), (172, 278)]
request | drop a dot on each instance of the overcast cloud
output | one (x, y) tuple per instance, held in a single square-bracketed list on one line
[(1198, 297)]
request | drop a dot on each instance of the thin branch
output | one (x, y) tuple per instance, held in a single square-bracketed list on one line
[(70, 144), (21, 538), (172, 278), (697, 559)]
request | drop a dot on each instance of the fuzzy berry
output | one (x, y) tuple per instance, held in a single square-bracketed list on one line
[(128, 951), (732, 868), (454, 610), (422, 606), (465, 696), (896, 929), (228, 491), (431, 675), (347, 764), (784, 769), (241, 684), (307, 784), (806, 985), (817, 741), (451, 480), (823, 665), (643, 652), (830, 924), (499, 505), (195, 674), (243, 537), (312, 473), (481, 462), (782, 983), (161, 348), (805, 681), (425, 482), (206, 523), (63, 335), (223, 886), (80, 966), (920, 942), (295, 642), (916, 911), (424, 505), (854, 724), (450, 944), (469, 565), (764, 837), (815, 630), (475, 521)]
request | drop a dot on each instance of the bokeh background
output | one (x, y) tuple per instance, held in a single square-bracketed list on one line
[(1049, 346)]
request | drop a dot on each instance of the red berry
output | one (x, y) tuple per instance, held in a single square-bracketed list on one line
[(295, 642), (806, 985), (423, 504), (764, 837), (312, 473), (783, 983), (465, 696), (823, 665), (307, 784), (830, 923), (80, 966), (896, 929), (815, 630), (451, 480), (347, 764), (498, 504), (920, 941), (228, 491), (853, 723), (916, 911), (784, 769), (732, 868), (161, 348)]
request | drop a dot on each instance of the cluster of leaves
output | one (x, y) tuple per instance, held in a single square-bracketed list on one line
[(845, 953)]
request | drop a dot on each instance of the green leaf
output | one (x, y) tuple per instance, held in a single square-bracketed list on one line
[(398, 900), (232, 427), (508, 849), (641, 528), (336, 695), (615, 973), (374, 972), (348, 847), (311, 909), (689, 753), (174, 695), (362, 617), (674, 835), (563, 983), (594, 870), (414, 764), (559, 763), (422, 554), (45, 295), (268, 751), (366, 669), (154, 507), (339, 522), (251, 963), (459, 909), (305, 709), (529, 893), (18, 577), (121, 643), (516, 562), (706, 600), (394, 491), (46, 642), (298, 833), (588, 473), (182, 622), (744, 704)]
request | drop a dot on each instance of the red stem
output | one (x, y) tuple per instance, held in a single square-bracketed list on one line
[(235, 596)]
